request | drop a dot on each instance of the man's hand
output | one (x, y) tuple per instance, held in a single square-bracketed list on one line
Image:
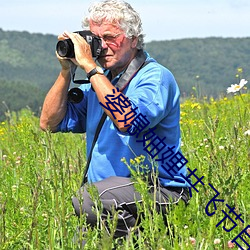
[(83, 54), (66, 63)]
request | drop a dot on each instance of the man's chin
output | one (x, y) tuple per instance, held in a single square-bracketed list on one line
[(105, 63)]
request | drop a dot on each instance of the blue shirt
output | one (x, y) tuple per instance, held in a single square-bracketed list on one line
[(154, 91)]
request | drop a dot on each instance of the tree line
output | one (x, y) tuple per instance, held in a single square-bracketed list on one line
[(202, 67)]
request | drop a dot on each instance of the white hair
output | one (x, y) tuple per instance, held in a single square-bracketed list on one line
[(120, 13)]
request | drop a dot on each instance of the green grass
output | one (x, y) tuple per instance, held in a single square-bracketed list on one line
[(40, 172)]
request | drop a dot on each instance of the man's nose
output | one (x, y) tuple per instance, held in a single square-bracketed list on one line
[(104, 44)]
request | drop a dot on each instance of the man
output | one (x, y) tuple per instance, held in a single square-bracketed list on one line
[(146, 90)]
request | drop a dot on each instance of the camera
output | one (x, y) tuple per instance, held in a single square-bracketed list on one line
[(65, 48)]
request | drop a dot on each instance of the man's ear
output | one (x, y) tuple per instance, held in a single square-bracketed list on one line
[(134, 42)]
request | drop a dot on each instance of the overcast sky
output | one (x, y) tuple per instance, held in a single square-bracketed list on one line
[(162, 19)]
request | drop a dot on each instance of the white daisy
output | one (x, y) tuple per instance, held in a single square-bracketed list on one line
[(237, 87)]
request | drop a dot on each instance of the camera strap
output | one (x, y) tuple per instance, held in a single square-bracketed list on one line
[(136, 64)]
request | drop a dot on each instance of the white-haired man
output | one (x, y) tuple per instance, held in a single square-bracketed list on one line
[(146, 89)]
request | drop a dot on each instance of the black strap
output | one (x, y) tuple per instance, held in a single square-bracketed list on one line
[(136, 64), (97, 132)]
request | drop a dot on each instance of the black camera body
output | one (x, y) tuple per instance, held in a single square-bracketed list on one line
[(65, 48)]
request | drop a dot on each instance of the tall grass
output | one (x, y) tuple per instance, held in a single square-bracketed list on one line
[(40, 172)]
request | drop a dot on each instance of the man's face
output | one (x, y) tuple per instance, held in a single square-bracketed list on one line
[(118, 50)]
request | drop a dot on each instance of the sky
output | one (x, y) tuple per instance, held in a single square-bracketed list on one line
[(162, 19)]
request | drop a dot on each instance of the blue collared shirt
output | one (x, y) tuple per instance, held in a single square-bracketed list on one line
[(155, 93)]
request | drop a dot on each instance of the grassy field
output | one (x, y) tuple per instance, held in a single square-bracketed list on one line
[(40, 172)]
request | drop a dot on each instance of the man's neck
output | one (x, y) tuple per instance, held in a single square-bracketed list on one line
[(117, 71)]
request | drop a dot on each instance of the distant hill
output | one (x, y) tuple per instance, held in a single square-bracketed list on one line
[(209, 64), (28, 66), (28, 58)]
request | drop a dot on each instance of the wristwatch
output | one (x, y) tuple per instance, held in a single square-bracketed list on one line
[(96, 70)]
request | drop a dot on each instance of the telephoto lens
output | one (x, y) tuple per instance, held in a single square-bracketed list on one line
[(65, 48)]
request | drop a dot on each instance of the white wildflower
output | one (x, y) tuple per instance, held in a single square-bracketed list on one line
[(14, 187), (22, 210), (237, 87), (247, 133), (217, 241)]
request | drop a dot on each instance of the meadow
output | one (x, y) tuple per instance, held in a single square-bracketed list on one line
[(40, 172)]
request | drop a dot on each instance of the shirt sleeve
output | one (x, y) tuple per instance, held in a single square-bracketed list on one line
[(156, 95)]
